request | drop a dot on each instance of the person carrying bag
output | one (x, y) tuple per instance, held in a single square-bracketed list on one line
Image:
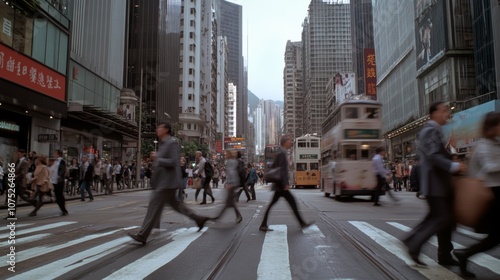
[(485, 166)]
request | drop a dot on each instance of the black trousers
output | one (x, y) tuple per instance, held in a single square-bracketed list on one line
[(206, 190), (440, 221), (230, 203), (156, 203), (245, 189), (59, 193), (290, 199), (381, 185)]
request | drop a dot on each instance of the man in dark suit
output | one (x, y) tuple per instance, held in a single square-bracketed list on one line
[(86, 178), (282, 188), (165, 182), (21, 169), (59, 185), (435, 184)]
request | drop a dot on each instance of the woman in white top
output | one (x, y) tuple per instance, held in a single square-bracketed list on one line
[(485, 165)]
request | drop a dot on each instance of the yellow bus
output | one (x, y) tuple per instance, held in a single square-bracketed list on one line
[(350, 136), (306, 161)]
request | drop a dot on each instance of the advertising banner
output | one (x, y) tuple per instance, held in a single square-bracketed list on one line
[(345, 86), (20, 69), (370, 72), (430, 32)]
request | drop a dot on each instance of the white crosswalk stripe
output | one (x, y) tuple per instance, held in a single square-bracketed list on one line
[(480, 259), (160, 257), (275, 248)]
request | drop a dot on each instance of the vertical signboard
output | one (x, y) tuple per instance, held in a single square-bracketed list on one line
[(370, 72), (430, 32)]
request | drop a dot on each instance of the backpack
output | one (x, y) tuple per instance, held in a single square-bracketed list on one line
[(209, 169)]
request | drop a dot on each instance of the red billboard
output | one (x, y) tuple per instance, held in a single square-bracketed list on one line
[(370, 72), (218, 146), (20, 69)]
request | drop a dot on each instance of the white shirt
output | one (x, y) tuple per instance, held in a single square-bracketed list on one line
[(53, 171), (117, 168)]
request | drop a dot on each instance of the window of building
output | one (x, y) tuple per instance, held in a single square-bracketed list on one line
[(23, 34), (190, 84), (6, 24)]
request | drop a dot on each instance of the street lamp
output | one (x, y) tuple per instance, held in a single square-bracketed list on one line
[(156, 142)]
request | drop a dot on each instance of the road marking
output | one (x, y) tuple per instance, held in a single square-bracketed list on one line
[(119, 205), (274, 259), (41, 250), (480, 259), (25, 240), (58, 268), (146, 265), (396, 247), (7, 226), (469, 233), (40, 228)]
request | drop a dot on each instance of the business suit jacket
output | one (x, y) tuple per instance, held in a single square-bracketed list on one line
[(88, 175), (166, 171), (435, 176), (61, 171), (20, 172), (281, 162)]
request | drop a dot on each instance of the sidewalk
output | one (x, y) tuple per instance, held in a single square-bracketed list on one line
[(46, 199)]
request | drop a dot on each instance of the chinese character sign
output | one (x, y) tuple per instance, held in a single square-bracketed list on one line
[(20, 69), (370, 72)]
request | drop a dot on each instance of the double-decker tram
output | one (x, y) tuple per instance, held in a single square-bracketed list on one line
[(350, 136), (306, 159)]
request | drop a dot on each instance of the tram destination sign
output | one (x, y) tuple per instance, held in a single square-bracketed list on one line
[(308, 156), (361, 134), (48, 138)]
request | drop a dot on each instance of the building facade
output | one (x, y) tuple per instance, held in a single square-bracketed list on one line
[(231, 26), (222, 89), (34, 56), (327, 46), (293, 89), (232, 109)]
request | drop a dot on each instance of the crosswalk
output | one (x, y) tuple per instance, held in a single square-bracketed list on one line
[(275, 258)]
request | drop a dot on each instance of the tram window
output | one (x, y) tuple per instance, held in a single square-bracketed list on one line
[(302, 144), (314, 144), (365, 154), (351, 113), (351, 152), (371, 113), (314, 166), (301, 166)]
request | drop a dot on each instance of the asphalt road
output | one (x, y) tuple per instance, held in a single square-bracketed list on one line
[(350, 240)]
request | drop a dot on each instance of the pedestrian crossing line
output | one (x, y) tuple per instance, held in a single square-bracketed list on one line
[(60, 267), (480, 259), (146, 265), (40, 228), (41, 250), (116, 206), (470, 233), (274, 258), (25, 240), (395, 246), (7, 227)]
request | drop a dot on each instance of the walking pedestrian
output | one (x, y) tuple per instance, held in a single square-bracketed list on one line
[(206, 178), (40, 182), (484, 164), (86, 176), (282, 187), (233, 181), (166, 180), (215, 178), (108, 177), (242, 171), (435, 184), (182, 193), (74, 177), (381, 173), (57, 172), (20, 190), (252, 179)]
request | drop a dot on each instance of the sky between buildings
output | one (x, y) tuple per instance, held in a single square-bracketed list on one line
[(268, 24)]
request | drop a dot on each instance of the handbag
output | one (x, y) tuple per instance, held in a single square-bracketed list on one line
[(197, 183), (472, 201), (273, 175)]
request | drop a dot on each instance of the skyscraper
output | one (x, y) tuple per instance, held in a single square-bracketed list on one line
[(327, 45), (231, 26), (293, 89)]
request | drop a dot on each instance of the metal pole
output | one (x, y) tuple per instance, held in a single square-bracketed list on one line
[(139, 142)]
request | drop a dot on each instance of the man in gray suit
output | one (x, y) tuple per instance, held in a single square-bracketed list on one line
[(165, 182), (435, 185)]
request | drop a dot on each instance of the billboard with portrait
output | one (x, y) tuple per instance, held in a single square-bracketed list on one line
[(430, 32), (345, 86)]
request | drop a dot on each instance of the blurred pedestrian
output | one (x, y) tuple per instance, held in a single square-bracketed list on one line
[(382, 174), (182, 193), (21, 169), (251, 180), (233, 181), (166, 180), (40, 182), (485, 164), (242, 171), (206, 178), (435, 185), (215, 178), (86, 177), (57, 174), (282, 187), (74, 177)]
